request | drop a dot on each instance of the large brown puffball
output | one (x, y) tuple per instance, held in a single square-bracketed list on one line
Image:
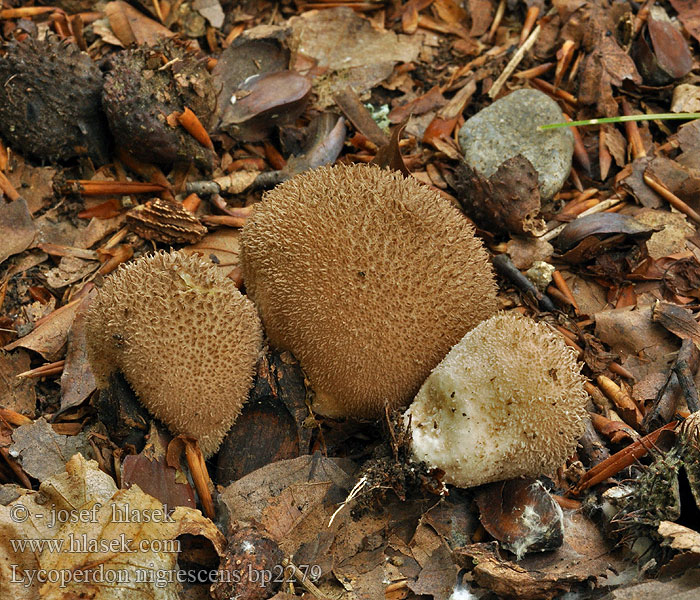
[(183, 336), (508, 400), (369, 278)]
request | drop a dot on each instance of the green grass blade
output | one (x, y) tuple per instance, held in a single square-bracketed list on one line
[(623, 119)]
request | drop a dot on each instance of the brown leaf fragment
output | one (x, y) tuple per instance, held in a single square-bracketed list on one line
[(689, 14), (167, 222), (584, 557), (526, 251), (508, 201), (438, 575), (481, 14), (521, 515), (150, 471), (324, 143), (270, 427), (77, 380), (616, 144), (356, 112), (600, 224), (17, 228), (36, 183), (132, 27), (431, 100), (50, 334), (42, 452), (264, 101), (221, 247), (389, 155), (70, 269), (633, 336), (631, 179), (681, 178), (16, 394), (677, 320), (255, 52), (292, 499), (211, 10), (672, 238), (349, 50), (660, 50), (452, 519), (605, 66)]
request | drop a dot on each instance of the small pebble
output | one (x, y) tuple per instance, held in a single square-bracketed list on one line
[(508, 127)]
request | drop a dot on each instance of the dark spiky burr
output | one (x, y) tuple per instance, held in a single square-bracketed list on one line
[(50, 101), (145, 89)]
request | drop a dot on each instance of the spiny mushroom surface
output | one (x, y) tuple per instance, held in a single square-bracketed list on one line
[(368, 278), (508, 400), (185, 339)]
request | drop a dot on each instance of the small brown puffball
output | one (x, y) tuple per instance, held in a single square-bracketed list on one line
[(369, 278), (508, 400), (183, 336)]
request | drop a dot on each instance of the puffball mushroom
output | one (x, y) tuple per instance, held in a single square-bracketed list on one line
[(508, 400), (183, 336), (368, 278)]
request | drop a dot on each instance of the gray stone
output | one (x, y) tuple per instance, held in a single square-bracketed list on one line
[(509, 127)]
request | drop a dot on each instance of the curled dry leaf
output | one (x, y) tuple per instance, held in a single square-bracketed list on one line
[(521, 515), (122, 539), (263, 101), (132, 27), (50, 334), (77, 380), (660, 50), (42, 452), (17, 394), (17, 229), (583, 556), (594, 236)]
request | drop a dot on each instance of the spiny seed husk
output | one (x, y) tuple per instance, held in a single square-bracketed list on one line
[(50, 101)]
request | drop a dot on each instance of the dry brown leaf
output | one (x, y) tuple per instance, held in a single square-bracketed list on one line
[(49, 336), (16, 394), (221, 247), (293, 499), (689, 15), (97, 554), (17, 228), (150, 471), (132, 27), (642, 346), (584, 557), (70, 270), (36, 183), (349, 49), (525, 251), (77, 380), (42, 452), (674, 229)]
